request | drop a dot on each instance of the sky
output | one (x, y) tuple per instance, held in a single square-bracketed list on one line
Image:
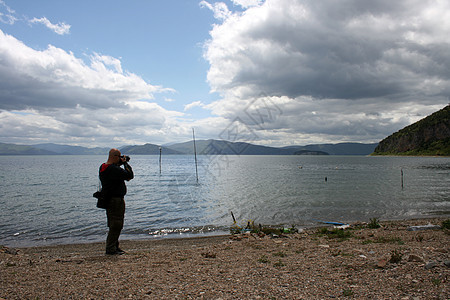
[(274, 72)]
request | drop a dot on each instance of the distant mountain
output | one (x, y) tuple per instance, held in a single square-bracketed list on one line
[(71, 150), (147, 149), (215, 147), (429, 136), (337, 149), (204, 147), (12, 149)]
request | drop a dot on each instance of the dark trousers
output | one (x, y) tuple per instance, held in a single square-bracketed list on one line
[(115, 214)]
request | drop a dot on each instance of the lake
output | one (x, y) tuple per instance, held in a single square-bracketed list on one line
[(48, 199)]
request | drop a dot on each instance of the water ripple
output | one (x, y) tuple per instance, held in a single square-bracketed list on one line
[(44, 203)]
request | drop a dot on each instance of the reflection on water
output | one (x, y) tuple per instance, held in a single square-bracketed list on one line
[(48, 199)]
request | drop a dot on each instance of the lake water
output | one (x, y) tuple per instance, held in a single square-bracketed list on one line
[(48, 199)]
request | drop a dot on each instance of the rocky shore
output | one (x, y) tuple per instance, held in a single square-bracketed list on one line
[(390, 262)]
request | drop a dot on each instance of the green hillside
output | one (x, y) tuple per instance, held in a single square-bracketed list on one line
[(12, 149), (220, 147), (427, 137)]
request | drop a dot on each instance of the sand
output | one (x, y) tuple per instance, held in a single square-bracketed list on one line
[(390, 262)]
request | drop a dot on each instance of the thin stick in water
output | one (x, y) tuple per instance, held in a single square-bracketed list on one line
[(195, 154), (401, 170), (160, 152)]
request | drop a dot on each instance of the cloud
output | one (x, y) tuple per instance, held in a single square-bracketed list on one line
[(54, 78), (287, 72), (357, 65), (53, 96), (220, 9), (193, 104), (247, 3), (7, 15), (138, 123), (60, 28)]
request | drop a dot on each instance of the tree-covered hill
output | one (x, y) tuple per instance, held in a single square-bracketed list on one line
[(429, 136)]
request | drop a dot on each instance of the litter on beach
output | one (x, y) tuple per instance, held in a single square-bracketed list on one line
[(423, 227)]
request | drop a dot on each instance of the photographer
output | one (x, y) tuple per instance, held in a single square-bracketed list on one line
[(113, 177)]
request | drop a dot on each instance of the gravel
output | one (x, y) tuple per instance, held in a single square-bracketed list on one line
[(390, 262)]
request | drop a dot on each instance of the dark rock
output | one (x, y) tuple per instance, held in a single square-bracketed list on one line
[(416, 258), (431, 265)]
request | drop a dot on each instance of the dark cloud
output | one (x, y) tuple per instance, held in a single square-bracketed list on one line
[(288, 71), (22, 92), (338, 49), (363, 65)]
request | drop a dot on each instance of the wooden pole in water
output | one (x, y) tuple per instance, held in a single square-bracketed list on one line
[(195, 154), (401, 170), (160, 152)]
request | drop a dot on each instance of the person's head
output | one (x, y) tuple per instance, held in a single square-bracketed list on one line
[(114, 156)]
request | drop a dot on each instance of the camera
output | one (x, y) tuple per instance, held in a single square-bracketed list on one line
[(127, 159)]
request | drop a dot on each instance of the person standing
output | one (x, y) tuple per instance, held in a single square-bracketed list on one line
[(112, 178)]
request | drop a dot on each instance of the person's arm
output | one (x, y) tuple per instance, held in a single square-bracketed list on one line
[(129, 171)]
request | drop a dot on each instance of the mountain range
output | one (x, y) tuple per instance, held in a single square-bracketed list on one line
[(203, 147), (429, 136)]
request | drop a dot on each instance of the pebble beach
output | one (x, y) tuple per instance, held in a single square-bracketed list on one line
[(389, 262)]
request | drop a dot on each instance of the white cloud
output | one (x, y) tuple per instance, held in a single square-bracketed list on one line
[(193, 104), (101, 62), (137, 123), (51, 95), (56, 78), (60, 28), (7, 15), (358, 65), (220, 9), (247, 3)]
